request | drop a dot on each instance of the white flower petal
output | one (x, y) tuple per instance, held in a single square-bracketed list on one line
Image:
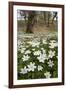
[(42, 58), (44, 41), (50, 63), (40, 68), (51, 54), (53, 44), (27, 52), (23, 70), (37, 52), (47, 74), (25, 57), (31, 66)]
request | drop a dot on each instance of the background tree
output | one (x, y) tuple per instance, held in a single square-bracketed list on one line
[(49, 16), (23, 14), (54, 16), (30, 22), (44, 13)]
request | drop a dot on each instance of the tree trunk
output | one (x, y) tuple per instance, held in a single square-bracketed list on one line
[(54, 16), (44, 17), (30, 22)]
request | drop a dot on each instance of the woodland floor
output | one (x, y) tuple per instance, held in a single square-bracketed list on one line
[(38, 30)]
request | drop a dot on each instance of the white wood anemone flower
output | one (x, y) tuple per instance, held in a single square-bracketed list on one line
[(50, 63), (44, 41), (27, 52), (19, 43), (22, 50), (51, 54), (37, 52), (42, 58), (47, 74), (40, 68), (53, 41), (43, 50), (25, 57), (35, 44), (31, 66), (23, 70), (53, 44), (33, 49)]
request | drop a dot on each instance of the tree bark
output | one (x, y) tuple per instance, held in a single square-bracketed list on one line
[(44, 17), (30, 22)]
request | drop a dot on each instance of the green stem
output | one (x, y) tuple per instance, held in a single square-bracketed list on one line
[(32, 75)]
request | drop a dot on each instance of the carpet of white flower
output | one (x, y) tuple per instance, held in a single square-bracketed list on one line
[(37, 59)]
